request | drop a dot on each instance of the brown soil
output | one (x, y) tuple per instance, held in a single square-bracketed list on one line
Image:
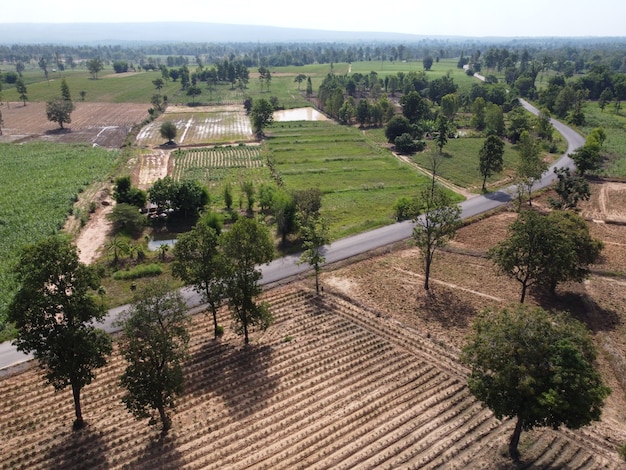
[(364, 376), (103, 124)]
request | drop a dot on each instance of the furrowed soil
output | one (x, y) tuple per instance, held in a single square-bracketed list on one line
[(365, 375), (103, 124)]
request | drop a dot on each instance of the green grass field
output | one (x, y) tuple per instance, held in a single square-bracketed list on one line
[(615, 145), (360, 181), (41, 182)]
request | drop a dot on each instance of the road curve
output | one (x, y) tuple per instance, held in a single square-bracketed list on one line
[(286, 267)]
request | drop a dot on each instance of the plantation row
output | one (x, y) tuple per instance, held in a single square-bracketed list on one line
[(329, 385)]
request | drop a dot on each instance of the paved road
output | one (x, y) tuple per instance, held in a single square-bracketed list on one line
[(286, 267)]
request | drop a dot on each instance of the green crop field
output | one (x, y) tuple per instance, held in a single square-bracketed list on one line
[(360, 181), (40, 182), (217, 166)]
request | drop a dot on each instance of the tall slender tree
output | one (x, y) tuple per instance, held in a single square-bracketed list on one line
[(491, 157), (154, 345), (199, 262), (246, 245), (436, 226)]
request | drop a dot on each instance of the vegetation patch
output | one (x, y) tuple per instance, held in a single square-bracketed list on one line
[(42, 181), (143, 270)]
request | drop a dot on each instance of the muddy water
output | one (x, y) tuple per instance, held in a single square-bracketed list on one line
[(299, 114)]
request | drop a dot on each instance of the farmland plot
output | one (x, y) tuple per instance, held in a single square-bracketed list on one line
[(201, 125), (329, 385), (214, 166), (103, 124)]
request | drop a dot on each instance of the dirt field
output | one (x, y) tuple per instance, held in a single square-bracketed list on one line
[(104, 124), (364, 376)]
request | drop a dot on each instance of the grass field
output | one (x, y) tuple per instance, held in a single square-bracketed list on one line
[(360, 180), (615, 145), (44, 180)]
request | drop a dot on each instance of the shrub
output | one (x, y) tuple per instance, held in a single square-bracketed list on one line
[(144, 270)]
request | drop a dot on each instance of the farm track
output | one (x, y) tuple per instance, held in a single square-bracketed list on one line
[(329, 385)]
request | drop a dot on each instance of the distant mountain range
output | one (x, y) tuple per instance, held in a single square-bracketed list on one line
[(169, 32), (166, 32)]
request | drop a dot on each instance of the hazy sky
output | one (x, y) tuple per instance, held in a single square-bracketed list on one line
[(428, 17)]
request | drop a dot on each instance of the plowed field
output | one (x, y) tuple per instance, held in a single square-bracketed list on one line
[(364, 376), (103, 124)]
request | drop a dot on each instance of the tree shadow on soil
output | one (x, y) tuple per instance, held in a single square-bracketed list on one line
[(445, 307), (82, 449), (239, 375), (59, 131), (161, 452), (581, 307)]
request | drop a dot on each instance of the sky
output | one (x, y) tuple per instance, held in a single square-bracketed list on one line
[(477, 18)]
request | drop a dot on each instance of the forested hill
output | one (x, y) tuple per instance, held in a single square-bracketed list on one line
[(120, 33)]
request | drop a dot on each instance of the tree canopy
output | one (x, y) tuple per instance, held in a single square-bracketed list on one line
[(53, 311), (436, 226), (154, 344), (199, 262), (535, 366), (261, 115), (545, 250), (59, 110), (246, 245)]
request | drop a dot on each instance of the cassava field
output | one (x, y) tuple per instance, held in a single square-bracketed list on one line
[(364, 376)]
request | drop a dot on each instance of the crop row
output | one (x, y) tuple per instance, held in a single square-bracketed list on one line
[(328, 385)]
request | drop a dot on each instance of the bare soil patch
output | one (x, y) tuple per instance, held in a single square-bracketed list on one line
[(104, 124)]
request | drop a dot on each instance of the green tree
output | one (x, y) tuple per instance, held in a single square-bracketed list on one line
[(587, 158), (21, 89), (363, 112), (397, 126), (154, 344), (605, 98), (54, 310), (193, 91), (308, 203), (309, 87), (228, 195), (158, 83), (95, 66), (491, 157), (436, 226), (198, 261), (575, 252), (478, 113), (65, 91), (535, 366), (524, 254), (545, 129), (494, 120), (299, 79), (449, 105), (127, 219), (315, 236), (284, 210), (246, 245), (414, 107), (168, 131), (261, 116), (444, 127), (428, 62), (124, 192), (247, 188), (59, 110), (531, 166), (570, 189)]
